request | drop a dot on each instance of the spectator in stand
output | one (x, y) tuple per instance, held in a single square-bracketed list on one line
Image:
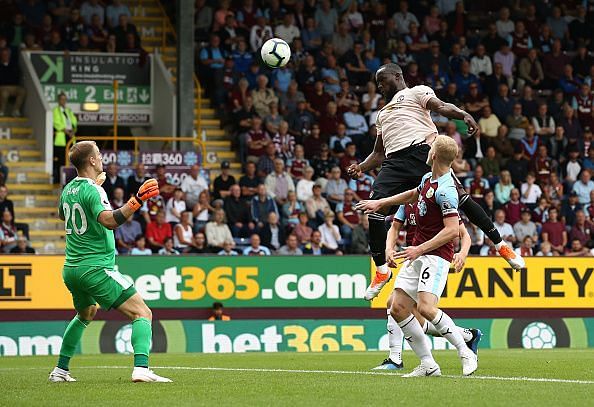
[(582, 104), (198, 244), (361, 187), (300, 121), (572, 167), (279, 183), (323, 163), (263, 96), (553, 64), (490, 164), (6, 205), (316, 247), (304, 186), (342, 41), (217, 231), (517, 123), (284, 142), (505, 229), (530, 70), (157, 231), (525, 249), (330, 233), (317, 206), (302, 230), (332, 75), (588, 162), (212, 58), (217, 313), (261, 206), (493, 81), (530, 143), (504, 187), (140, 248), (348, 159), (223, 182), (514, 207), (474, 101), (91, 8), (228, 249), (298, 164), (118, 198), (477, 186), (175, 207), (464, 81), (136, 179), (554, 232), (518, 166), (266, 161), (543, 122), (238, 213), (98, 34), (507, 59), (126, 235), (336, 187), (475, 148), (22, 247), (260, 33), (584, 187), (545, 250), (403, 18), (502, 104), (114, 11), (273, 120), (112, 180), (480, 63), (291, 248), (558, 24), (568, 82), (192, 185), (183, 232), (256, 140), (347, 214), (249, 182), (569, 207), (291, 210), (311, 36), (525, 227), (10, 79), (8, 232), (287, 31), (339, 141), (488, 123), (583, 229), (272, 234), (168, 249), (254, 249), (577, 249)]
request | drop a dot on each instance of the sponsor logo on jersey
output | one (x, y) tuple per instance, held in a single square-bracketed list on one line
[(430, 193)]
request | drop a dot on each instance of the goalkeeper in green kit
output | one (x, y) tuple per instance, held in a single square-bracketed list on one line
[(89, 272)]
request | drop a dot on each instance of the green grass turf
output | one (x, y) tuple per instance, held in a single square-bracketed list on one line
[(23, 380)]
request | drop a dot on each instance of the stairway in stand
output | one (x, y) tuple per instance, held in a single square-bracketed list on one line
[(148, 16), (30, 187)]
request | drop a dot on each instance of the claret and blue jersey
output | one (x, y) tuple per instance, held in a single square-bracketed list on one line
[(438, 199)]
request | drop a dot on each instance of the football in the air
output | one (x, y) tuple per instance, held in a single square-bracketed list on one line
[(275, 53)]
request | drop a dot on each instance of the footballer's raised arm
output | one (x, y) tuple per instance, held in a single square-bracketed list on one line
[(452, 112)]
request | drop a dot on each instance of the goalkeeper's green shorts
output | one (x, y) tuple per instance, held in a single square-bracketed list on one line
[(91, 285)]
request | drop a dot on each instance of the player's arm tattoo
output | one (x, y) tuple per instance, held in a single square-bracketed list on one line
[(119, 217), (376, 157)]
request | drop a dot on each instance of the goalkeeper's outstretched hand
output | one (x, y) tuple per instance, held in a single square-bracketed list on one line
[(148, 190)]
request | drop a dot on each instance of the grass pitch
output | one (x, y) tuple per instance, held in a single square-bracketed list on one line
[(505, 377)]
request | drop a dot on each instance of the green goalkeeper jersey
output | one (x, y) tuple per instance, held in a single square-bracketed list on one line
[(88, 242)]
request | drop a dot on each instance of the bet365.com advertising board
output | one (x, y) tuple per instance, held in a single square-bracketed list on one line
[(35, 282), (175, 336)]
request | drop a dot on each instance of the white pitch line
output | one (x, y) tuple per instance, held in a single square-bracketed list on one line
[(338, 372), (355, 372)]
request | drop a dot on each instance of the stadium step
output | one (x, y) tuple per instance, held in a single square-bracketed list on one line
[(217, 145), (10, 142), (53, 247), (32, 165), (24, 176), (53, 234), (38, 210), (42, 187), (21, 153), (217, 166), (33, 199)]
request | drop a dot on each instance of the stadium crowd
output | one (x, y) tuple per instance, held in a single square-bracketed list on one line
[(522, 69)]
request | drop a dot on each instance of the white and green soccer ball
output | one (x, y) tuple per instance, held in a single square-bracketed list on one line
[(123, 340), (538, 335), (275, 53)]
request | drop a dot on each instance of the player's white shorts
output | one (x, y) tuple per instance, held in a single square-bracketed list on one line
[(428, 273)]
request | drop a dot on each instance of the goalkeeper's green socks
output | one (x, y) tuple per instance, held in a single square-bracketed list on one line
[(142, 333), (70, 340)]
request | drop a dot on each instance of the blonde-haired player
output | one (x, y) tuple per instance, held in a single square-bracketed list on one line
[(423, 280)]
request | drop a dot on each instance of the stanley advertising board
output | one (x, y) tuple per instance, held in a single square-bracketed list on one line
[(35, 282)]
